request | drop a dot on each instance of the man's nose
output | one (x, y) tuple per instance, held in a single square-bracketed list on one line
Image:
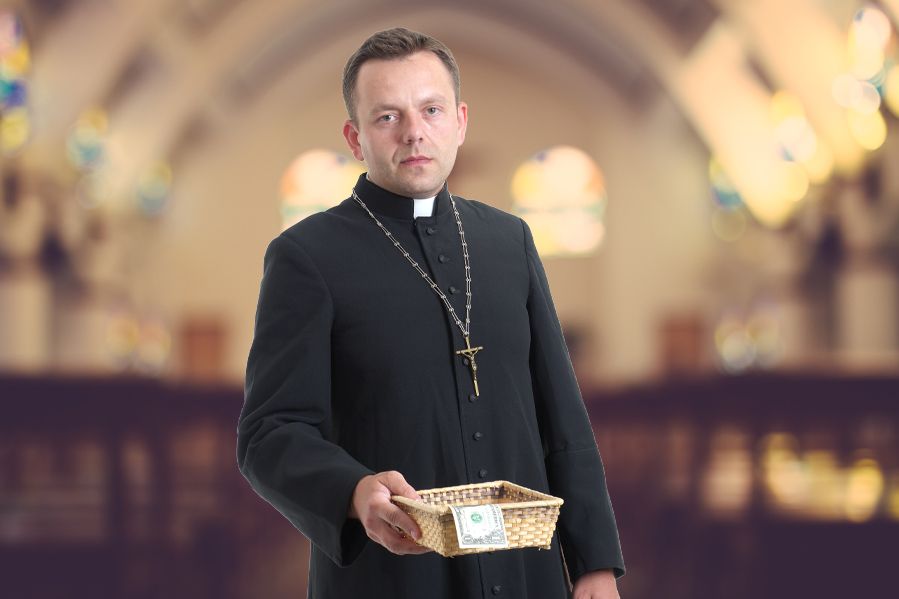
[(413, 130)]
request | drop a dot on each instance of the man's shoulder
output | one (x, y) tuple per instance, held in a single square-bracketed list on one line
[(317, 228), (492, 214)]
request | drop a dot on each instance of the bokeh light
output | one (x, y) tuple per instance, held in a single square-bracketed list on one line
[(315, 181), (865, 99), (868, 37), (724, 191), (12, 93), (871, 80), (861, 95), (783, 473), (788, 184), (795, 134), (15, 63), (813, 484), (868, 129), (733, 344), (797, 138), (154, 187), (559, 177), (15, 129), (751, 341), (806, 159), (561, 194), (864, 488), (138, 343), (86, 142), (891, 90), (873, 25)]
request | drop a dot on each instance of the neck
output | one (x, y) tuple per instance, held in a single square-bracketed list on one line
[(425, 194), (388, 203)]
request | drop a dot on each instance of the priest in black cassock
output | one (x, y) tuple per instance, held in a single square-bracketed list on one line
[(357, 385)]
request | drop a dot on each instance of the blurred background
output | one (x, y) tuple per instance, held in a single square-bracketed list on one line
[(708, 182)]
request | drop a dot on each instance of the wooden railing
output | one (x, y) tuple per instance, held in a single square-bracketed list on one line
[(129, 488)]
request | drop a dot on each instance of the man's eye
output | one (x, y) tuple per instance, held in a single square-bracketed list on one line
[(388, 117), (432, 110)]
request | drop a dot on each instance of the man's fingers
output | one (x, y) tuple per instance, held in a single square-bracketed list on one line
[(384, 522), (403, 545), (384, 534), (394, 516)]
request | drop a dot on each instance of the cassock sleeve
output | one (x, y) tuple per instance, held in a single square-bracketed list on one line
[(283, 448), (586, 525)]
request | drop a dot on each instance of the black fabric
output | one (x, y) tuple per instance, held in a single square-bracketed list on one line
[(352, 371)]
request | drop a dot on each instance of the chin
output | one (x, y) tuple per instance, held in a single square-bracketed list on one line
[(421, 190)]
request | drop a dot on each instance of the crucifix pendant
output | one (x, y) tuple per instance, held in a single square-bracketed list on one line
[(469, 353)]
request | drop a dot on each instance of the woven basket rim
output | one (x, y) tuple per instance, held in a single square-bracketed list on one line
[(445, 509)]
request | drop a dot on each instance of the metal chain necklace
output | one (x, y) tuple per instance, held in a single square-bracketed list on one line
[(468, 351)]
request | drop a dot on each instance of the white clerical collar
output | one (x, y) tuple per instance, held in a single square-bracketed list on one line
[(423, 207)]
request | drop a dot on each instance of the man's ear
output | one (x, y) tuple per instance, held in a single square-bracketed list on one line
[(462, 116), (351, 134)]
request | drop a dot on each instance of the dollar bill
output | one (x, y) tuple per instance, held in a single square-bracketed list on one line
[(480, 526)]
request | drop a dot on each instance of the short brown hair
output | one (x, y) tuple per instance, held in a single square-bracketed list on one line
[(398, 42)]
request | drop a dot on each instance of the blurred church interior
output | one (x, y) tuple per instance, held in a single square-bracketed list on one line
[(708, 183)]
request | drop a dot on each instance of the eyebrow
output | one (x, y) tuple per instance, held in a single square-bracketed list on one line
[(436, 99)]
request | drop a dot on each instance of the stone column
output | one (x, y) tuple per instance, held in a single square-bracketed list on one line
[(867, 288), (25, 296)]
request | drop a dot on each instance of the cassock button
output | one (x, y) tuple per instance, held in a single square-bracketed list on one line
[(482, 473), (431, 230), (477, 436), (453, 289), (472, 397), (465, 361), (443, 258), (496, 590)]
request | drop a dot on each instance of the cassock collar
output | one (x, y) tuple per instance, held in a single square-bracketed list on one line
[(386, 203)]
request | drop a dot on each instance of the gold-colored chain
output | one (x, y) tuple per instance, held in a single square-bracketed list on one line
[(467, 326)]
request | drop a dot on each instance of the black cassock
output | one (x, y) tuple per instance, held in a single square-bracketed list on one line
[(353, 371)]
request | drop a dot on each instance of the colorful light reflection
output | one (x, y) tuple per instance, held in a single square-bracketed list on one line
[(812, 482), (871, 79), (87, 139), (15, 63), (138, 343), (315, 181), (561, 194), (749, 341), (154, 189)]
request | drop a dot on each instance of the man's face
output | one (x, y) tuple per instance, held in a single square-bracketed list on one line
[(408, 127)]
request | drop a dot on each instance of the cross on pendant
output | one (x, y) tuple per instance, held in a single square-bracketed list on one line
[(469, 353)]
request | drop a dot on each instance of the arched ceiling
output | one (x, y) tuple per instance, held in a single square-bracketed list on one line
[(161, 62), (164, 68)]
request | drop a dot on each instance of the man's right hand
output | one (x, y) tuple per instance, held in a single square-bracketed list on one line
[(372, 506)]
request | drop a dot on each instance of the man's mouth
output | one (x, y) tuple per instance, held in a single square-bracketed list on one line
[(415, 160)]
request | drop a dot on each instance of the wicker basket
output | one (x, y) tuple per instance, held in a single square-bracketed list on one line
[(529, 516)]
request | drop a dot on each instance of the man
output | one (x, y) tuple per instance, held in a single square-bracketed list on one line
[(365, 379)]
